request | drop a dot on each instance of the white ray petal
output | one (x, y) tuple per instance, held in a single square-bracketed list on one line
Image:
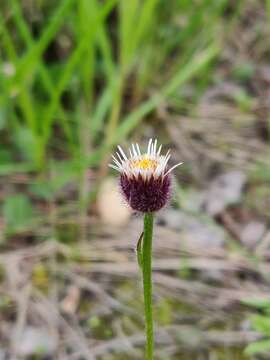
[(149, 147), (134, 150), (152, 149), (173, 168), (155, 147), (119, 157), (122, 152), (159, 150), (167, 157), (115, 167), (116, 161)]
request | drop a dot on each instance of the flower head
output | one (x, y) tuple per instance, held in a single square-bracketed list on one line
[(145, 178)]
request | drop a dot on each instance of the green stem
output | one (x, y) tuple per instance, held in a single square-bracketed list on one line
[(147, 283)]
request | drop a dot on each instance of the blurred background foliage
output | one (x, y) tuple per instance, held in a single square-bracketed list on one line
[(79, 76)]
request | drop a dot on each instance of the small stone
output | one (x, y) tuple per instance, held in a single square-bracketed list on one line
[(252, 233), (193, 201), (170, 218), (111, 207), (198, 233), (223, 191), (204, 235), (35, 341)]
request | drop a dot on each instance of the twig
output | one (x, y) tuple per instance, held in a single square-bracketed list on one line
[(22, 305)]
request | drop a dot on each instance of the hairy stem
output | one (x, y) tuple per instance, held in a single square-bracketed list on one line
[(147, 283)]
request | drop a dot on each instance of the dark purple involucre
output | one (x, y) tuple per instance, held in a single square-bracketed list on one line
[(146, 195)]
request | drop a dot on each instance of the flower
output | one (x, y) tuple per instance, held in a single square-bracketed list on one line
[(145, 179)]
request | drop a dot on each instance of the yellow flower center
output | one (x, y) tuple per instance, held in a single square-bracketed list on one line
[(145, 164)]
